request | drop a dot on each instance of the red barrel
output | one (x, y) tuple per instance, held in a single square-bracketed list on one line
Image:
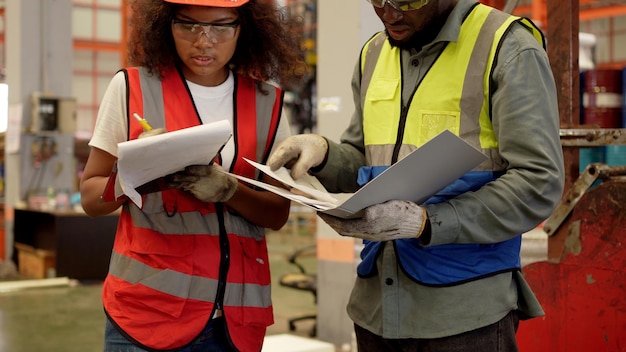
[(602, 98)]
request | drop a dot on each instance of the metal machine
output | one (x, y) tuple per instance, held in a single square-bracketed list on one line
[(582, 285)]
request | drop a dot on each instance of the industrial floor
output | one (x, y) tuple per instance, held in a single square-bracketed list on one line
[(70, 319)]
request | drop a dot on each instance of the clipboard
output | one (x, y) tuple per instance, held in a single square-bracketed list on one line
[(142, 162), (109, 189)]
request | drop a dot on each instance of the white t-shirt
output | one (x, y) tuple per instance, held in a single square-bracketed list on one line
[(213, 104)]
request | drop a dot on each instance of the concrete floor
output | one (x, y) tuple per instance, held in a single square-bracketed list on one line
[(70, 319)]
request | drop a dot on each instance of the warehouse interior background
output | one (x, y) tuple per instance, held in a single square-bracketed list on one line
[(56, 60)]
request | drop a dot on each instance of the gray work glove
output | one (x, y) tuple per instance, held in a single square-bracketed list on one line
[(208, 183), (387, 221), (152, 132), (299, 153)]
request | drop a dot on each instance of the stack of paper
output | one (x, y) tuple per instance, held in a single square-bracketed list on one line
[(146, 159), (417, 177)]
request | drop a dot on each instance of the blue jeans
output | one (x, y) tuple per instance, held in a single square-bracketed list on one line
[(212, 338), (497, 337)]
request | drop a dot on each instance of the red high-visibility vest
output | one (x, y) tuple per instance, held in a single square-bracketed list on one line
[(176, 257)]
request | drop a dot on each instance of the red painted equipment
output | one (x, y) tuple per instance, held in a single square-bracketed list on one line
[(582, 287)]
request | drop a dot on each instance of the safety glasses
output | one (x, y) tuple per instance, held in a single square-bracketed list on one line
[(215, 32), (410, 5)]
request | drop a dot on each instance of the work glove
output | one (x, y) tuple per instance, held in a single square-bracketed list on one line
[(299, 153), (152, 132), (207, 183), (387, 221)]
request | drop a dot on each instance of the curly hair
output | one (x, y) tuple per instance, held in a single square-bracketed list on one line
[(268, 47)]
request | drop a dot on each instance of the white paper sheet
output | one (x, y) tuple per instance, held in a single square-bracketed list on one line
[(417, 177), (143, 160)]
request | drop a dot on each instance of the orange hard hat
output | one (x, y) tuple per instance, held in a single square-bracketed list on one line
[(216, 3)]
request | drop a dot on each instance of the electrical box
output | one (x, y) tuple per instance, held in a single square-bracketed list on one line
[(52, 114)]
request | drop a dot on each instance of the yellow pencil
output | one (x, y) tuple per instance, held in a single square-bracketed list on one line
[(146, 126)]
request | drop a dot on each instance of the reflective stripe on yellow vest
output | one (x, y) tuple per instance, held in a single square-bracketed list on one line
[(175, 258)]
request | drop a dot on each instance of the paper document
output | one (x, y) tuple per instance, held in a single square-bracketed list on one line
[(417, 177), (146, 159)]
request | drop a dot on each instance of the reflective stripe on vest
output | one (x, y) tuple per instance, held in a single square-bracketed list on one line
[(164, 276), (453, 95)]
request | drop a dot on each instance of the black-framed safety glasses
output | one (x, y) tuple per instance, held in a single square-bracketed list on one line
[(215, 32)]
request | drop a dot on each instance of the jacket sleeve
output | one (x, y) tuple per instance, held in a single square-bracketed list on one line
[(526, 122), (340, 172)]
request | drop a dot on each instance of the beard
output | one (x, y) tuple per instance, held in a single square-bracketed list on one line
[(416, 41), (405, 44), (427, 29)]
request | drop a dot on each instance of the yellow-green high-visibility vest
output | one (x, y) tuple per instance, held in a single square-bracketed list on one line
[(453, 95)]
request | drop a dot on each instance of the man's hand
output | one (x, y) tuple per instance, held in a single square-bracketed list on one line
[(387, 221), (206, 182), (299, 153), (152, 132)]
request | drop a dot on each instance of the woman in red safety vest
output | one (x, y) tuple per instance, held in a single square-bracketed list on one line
[(189, 268)]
